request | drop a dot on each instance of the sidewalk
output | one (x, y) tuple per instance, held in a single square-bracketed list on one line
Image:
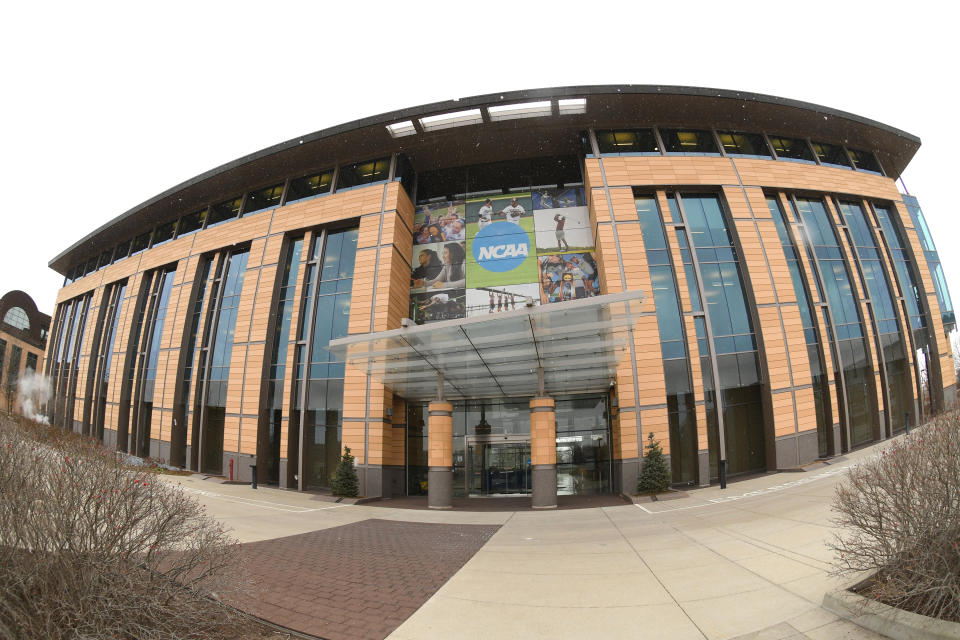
[(749, 561)]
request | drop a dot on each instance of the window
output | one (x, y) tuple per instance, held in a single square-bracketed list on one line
[(104, 259), (641, 142), (831, 155), (361, 173), (744, 145), (309, 186), (226, 210), (164, 233), (328, 282), (17, 317), (794, 149), (689, 141), (191, 223), (865, 161), (263, 199), (121, 251), (140, 243), (31, 362), (148, 358)]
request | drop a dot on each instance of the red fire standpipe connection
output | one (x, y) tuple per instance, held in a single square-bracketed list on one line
[(231, 469)]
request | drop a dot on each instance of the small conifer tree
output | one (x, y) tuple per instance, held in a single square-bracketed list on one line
[(654, 476), (345, 482)]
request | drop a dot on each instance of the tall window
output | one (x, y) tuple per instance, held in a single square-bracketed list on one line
[(67, 358), (842, 316), (114, 297), (907, 279), (734, 345), (269, 454), (933, 263), (821, 382), (318, 393), (676, 366), (186, 407), (218, 351), (893, 355), (147, 358)]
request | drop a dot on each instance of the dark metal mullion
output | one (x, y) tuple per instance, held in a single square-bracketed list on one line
[(773, 152)]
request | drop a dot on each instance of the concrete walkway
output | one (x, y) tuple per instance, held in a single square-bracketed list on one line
[(749, 561)]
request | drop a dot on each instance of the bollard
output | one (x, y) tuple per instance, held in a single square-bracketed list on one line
[(231, 469), (906, 421), (723, 474), (253, 482)]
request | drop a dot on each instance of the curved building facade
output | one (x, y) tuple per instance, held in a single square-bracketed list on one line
[(512, 294)]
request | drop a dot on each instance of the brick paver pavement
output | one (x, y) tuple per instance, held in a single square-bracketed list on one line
[(359, 580)]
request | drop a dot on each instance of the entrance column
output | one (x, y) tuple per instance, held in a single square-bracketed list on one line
[(440, 455), (543, 452)]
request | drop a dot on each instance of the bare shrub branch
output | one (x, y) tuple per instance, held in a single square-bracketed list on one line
[(92, 549), (900, 516)]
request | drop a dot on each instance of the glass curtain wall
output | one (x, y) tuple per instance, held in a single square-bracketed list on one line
[(681, 407), (933, 263), (147, 360), (319, 387), (850, 347), (114, 297), (219, 349), (278, 360), (907, 281), (899, 395), (715, 258), (821, 388)]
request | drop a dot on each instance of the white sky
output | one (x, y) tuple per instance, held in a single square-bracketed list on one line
[(106, 105)]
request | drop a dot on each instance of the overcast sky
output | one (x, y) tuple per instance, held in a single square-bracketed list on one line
[(106, 105)]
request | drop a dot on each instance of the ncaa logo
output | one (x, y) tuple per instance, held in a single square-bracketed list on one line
[(501, 246)]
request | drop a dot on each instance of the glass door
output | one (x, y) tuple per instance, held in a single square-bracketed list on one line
[(499, 467)]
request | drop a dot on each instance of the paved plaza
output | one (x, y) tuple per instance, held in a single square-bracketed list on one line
[(750, 561)]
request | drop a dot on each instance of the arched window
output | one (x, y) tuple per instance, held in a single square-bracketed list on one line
[(17, 317)]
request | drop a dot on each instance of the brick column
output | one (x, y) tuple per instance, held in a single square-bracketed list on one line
[(440, 455), (543, 452)]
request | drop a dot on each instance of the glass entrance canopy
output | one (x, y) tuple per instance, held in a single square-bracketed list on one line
[(577, 343)]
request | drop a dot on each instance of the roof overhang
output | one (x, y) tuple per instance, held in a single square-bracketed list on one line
[(607, 106), (577, 344)]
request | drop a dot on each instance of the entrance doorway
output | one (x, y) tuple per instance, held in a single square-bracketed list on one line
[(498, 466)]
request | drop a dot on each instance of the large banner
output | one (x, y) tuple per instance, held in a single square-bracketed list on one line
[(495, 253)]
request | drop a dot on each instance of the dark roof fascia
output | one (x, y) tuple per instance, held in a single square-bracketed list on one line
[(480, 101)]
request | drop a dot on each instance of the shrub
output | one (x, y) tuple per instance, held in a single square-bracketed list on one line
[(89, 548), (345, 482), (654, 475), (900, 515)]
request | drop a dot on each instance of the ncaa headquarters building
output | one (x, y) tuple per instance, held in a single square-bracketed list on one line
[(509, 294)]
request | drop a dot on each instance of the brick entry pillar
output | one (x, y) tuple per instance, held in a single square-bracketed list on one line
[(543, 452), (440, 455)]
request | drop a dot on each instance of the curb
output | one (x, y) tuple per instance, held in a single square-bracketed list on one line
[(886, 620)]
